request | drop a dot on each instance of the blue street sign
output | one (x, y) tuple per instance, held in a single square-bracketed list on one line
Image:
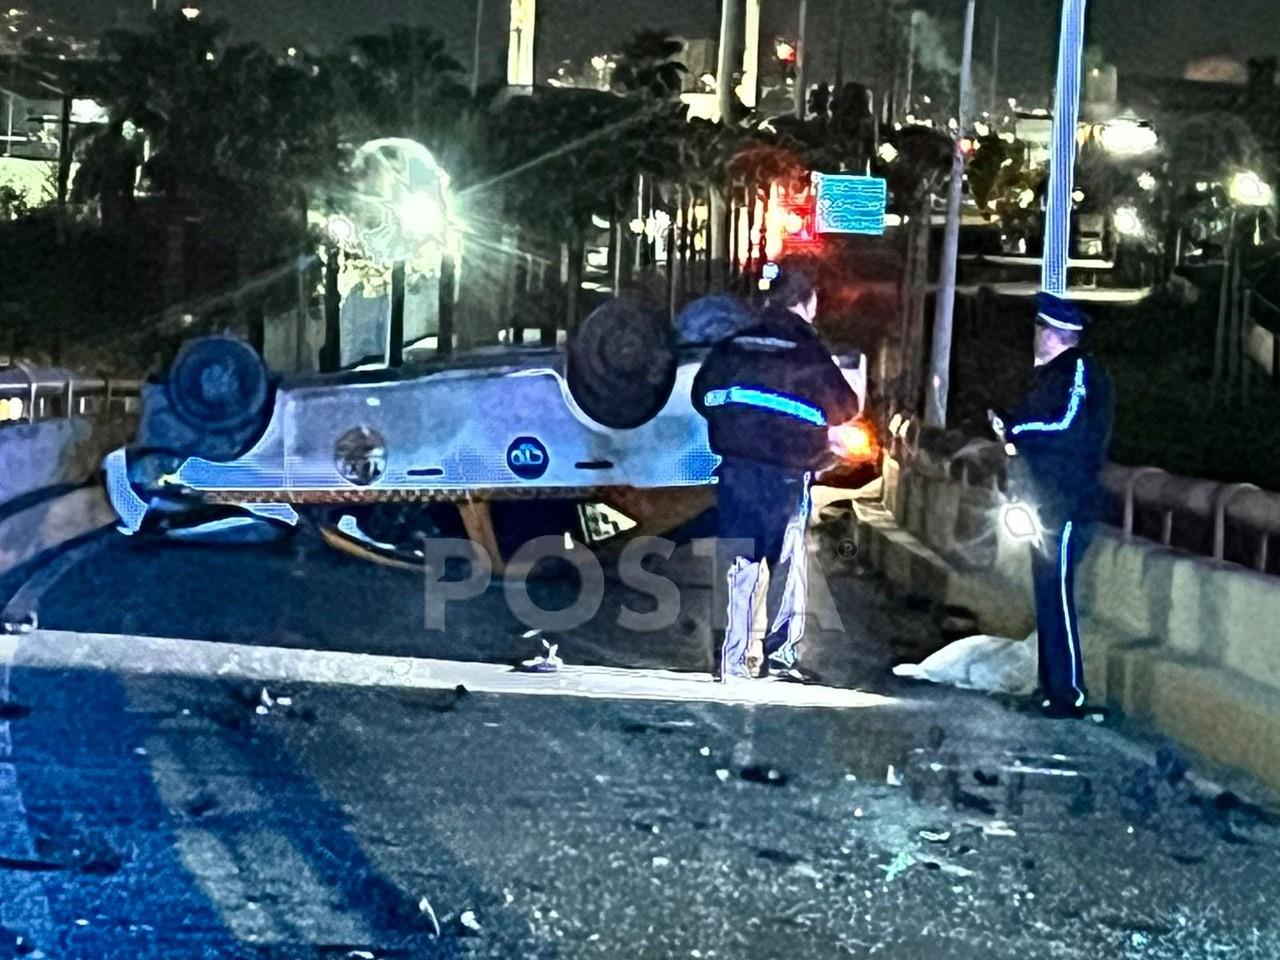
[(849, 204)]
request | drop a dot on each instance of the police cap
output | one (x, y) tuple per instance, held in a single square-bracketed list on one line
[(1053, 311)]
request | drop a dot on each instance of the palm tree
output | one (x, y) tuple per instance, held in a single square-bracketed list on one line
[(400, 83), (237, 138), (575, 153), (647, 65)]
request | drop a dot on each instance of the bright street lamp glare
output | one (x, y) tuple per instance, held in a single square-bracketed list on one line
[(340, 229), (1127, 222), (1249, 190), (420, 215), (1146, 180)]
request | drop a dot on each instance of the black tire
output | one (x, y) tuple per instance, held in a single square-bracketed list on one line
[(218, 384), (622, 363), (219, 388)]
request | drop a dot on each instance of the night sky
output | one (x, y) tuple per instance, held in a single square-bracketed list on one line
[(1141, 36)]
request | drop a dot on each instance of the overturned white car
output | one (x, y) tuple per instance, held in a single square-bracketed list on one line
[(381, 458)]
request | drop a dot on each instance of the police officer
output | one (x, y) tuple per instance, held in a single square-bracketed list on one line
[(1058, 437), (770, 394)]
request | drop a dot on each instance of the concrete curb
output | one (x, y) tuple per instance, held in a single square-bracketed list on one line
[(133, 655)]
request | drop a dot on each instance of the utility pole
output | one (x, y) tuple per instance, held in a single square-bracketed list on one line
[(801, 90), (1062, 158), (944, 308)]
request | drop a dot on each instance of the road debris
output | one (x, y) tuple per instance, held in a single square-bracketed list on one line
[(470, 923), (766, 775), (997, 828), (898, 865), (547, 662), (722, 775), (659, 862), (935, 836), (28, 624), (424, 907), (892, 778)]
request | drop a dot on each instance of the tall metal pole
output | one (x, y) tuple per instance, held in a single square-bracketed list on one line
[(729, 10), (729, 20), (944, 308), (801, 90), (1220, 333), (750, 87), (475, 48), (1062, 158), (911, 60)]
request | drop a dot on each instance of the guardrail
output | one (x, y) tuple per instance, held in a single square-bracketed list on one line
[(1227, 522), (30, 395)]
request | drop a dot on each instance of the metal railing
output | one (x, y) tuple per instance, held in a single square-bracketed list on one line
[(29, 395), (1226, 522)]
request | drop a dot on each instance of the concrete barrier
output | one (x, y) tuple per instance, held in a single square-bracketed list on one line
[(47, 493), (1189, 643)]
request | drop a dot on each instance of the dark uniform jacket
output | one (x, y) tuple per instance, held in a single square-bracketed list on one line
[(1061, 432), (769, 393)]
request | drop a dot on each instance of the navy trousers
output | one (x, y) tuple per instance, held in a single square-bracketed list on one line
[(763, 514), (1053, 568)]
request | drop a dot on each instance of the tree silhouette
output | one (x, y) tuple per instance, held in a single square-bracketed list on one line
[(647, 65)]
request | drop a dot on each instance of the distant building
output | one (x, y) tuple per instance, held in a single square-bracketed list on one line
[(1217, 70)]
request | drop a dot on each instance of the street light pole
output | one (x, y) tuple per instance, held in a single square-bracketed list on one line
[(944, 308), (1062, 161), (475, 49)]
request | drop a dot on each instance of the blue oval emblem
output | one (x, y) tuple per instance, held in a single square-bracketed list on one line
[(527, 458)]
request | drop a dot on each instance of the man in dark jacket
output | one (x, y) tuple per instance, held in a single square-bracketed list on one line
[(770, 394), (1059, 437)]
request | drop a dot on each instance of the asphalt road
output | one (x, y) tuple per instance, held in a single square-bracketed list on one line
[(160, 817), (301, 593)]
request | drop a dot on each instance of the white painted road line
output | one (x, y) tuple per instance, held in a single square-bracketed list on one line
[(115, 653)]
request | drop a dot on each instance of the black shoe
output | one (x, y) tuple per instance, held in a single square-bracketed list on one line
[(791, 674), (1057, 710)]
